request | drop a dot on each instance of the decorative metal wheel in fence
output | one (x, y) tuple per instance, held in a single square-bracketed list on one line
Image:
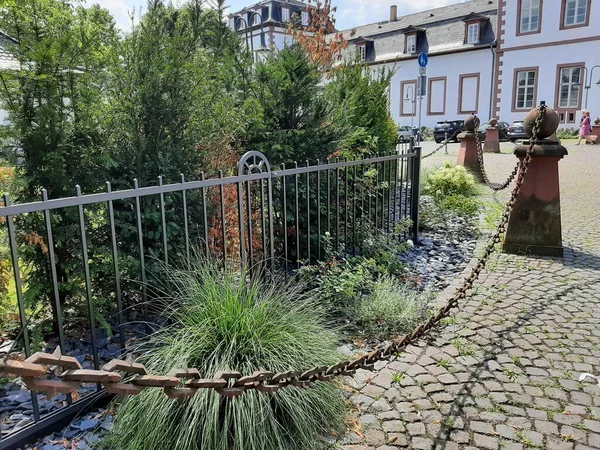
[(100, 252)]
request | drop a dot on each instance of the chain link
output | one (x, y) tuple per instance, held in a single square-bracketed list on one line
[(184, 383), (493, 186), (442, 145)]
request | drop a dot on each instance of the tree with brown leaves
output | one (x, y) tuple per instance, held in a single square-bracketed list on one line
[(322, 42)]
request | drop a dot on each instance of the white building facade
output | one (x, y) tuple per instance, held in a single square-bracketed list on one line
[(460, 42), (264, 26), (548, 50), (495, 58)]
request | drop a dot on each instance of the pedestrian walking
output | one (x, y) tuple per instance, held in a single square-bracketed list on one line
[(585, 128)]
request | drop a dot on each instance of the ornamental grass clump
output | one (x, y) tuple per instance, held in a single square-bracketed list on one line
[(393, 307), (223, 322)]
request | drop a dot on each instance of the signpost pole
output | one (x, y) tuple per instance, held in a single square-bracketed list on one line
[(423, 60)]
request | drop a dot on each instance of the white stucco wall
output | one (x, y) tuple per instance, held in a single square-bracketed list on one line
[(449, 66), (546, 50), (547, 59)]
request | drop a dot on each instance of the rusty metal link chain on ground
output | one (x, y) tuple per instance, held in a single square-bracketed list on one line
[(442, 145), (184, 383), (493, 186)]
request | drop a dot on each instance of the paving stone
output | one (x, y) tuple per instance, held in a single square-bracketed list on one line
[(421, 443), (462, 437), (546, 427), (381, 405), (368, 419), (384, 379), (481, 427), (375, 437), (397, 440), (592, 425), (536, 439), (394, 426), (506, 431), (388, 415), (486, 442), (567, 419), (415, 429), (492, 417)]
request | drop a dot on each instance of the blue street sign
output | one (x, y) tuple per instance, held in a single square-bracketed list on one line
[(423, 59)]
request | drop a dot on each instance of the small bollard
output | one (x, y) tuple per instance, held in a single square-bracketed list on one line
[(534, 226), (492, 137), (467, 155), (446, 142)]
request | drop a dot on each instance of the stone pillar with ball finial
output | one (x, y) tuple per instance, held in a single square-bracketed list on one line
[(467, 155), (534, 226), (492, 137)]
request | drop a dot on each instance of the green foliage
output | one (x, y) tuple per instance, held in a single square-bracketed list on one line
[(452, 188), (295, 120), (450, 180), (426, 134), (567, 133), (359, 100), (223, 323), (340, 281), (392, 307)]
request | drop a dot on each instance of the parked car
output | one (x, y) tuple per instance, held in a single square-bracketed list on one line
[(404, 134), (502, 130), (450, 128), (517, 131)]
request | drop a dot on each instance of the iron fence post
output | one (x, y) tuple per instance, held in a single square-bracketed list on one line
[(415, 191)]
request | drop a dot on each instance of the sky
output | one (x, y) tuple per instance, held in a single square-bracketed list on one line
[(350, 13)]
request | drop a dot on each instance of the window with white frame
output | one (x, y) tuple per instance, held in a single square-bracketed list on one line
[(361, 52), (569, 88), (530, 16), (576, 12), (411, 43), (525, 89), (241, 21), (255, 19), (285, 14), (473, 33), (304, 18)]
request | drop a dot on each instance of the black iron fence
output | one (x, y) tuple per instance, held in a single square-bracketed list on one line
[(99, 252)]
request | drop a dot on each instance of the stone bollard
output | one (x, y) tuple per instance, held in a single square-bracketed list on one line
[(492, 138), (467, 155), (534, 226)]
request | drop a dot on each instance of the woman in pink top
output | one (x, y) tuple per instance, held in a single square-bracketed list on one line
[(585, 128)]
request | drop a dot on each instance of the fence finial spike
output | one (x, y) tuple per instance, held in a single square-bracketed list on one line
[(78, 190), (57, 353), (135, 183), (108, 186), (182, 177)]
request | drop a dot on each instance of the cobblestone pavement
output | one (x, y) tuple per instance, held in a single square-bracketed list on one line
[(504, 371)]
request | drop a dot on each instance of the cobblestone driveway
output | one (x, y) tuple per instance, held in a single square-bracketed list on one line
[(504, 372)]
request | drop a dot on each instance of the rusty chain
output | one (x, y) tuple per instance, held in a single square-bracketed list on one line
[(184, 383), (493, 186), (441, 145)]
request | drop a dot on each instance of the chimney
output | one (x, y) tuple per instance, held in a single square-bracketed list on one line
[(393, 13)]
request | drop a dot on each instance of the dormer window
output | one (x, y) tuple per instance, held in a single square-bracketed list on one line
[(411, 43), (361, 52), (242, 22), (285, 14), (473, 33), (474, 24), (305, 18), (255, 19)]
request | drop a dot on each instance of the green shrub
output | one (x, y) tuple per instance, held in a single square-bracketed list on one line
[(463, 206), (426, 134), (340, 282), (567, 133), (393, 307), (450, 180), (223, 322)]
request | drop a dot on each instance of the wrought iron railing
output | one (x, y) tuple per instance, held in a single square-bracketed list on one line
[(263, 216)]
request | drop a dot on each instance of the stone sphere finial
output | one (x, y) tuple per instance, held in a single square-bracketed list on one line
[(472, 122), (493, 122), (549, 124)]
